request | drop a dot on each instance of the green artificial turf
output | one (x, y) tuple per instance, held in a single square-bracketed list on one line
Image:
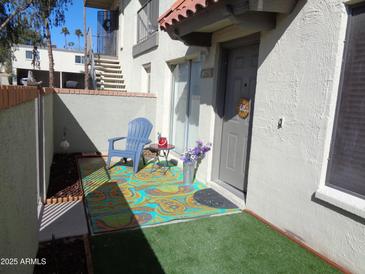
[(232, 244)]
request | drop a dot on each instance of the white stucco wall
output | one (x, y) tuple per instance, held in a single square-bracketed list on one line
[(18, 186), (64, 60), (90, 120), (168, 50), (298, 78)]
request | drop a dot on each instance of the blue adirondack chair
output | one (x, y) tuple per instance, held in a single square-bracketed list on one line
[(139, 131)]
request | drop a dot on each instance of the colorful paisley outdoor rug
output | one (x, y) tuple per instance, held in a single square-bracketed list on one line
[(118, 199)]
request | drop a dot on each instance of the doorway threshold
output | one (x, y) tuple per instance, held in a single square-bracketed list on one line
[(230, 193)]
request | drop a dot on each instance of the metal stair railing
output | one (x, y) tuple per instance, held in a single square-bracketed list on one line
[(91, 57)]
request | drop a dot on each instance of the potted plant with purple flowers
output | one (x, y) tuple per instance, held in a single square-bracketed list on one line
[(192, 159)]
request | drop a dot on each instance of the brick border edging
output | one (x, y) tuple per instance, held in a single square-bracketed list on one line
[(71, 198), (11, 96), (298, 242), (53, 201)]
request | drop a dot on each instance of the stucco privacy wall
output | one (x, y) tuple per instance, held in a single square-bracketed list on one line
[(20, 136), (298, 80), (18, 185), (90, 120), (48, 135)]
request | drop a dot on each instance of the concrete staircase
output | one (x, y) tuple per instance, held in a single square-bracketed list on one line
[(109, 74)]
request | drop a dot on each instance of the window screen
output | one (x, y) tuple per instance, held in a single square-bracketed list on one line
[(347, 160)]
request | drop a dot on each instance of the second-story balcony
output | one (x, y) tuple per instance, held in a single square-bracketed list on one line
[(105, 4), (147, 27)]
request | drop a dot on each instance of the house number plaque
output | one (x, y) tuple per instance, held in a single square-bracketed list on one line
[(207, 73)]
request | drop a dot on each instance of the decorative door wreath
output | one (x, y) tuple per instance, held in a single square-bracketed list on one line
[(243, 108)]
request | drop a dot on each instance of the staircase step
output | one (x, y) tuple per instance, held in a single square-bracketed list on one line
[(102, 67), (109, 74), (114, 89), (106, 69), (112, 82), (106, 60), (104, 78), (107, 65)]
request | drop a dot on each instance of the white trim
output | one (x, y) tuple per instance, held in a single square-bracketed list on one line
[(338, 198), (342, 200), (333, 98)]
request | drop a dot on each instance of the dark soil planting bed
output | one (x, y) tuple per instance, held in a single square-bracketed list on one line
[(62, 256), (64, 182)]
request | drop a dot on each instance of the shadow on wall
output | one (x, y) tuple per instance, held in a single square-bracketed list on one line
[(219, 85), (71, 130), (283, 22), (338, 210)]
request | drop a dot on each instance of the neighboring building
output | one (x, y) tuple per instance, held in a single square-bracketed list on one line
[(4, 76), (68, 66), (297, 160)]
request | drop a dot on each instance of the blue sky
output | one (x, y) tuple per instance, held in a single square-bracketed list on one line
[(75, 20)]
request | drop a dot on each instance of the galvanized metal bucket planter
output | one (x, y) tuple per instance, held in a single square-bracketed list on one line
[(189, 172)]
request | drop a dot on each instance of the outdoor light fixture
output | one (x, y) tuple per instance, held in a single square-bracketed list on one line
[(65, 145)]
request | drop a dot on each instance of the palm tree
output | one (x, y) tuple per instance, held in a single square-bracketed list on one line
[(65, 32), (50, 13), (71, 44), (79, 34)]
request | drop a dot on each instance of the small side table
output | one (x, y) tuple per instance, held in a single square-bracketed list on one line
[(161, 151)]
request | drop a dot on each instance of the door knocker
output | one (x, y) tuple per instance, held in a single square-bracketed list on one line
[(244, 108)]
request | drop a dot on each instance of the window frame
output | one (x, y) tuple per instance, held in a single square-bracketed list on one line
[(340, 93), (188, 104), (139, 38), (82, 60), (31, 54)]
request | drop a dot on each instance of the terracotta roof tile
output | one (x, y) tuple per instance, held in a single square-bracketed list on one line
[(180, 10)]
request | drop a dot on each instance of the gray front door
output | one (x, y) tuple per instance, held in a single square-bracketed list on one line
[(240, 87)]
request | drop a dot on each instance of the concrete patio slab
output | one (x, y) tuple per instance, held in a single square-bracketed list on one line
[(63, 220)]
